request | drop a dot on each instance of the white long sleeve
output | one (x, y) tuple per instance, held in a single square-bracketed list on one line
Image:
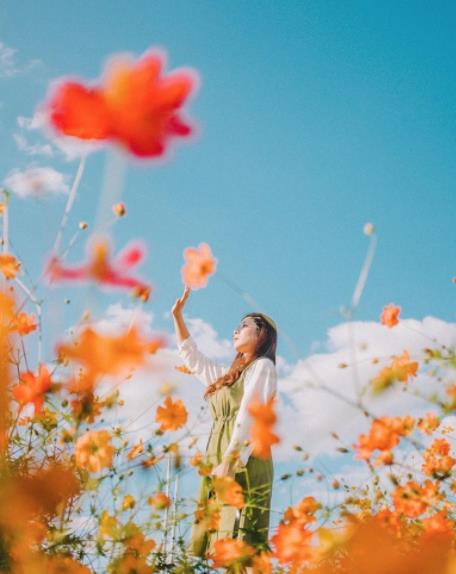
[(204, 369), (260, 383)]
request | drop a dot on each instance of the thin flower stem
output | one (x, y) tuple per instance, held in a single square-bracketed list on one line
[(69, 205), (5, 223), (364, 273)]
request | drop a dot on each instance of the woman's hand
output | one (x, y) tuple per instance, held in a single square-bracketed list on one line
[(223, 469), (180, 303)]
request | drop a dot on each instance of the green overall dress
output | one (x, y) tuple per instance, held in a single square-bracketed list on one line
[(252, 522)]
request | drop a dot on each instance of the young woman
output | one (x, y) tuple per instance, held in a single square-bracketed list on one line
[(252, 375)]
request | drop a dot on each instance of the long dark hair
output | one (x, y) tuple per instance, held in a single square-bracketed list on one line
[(266, 347)]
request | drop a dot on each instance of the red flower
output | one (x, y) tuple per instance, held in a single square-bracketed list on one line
[(134, 105), (32, 388), (100, 269)]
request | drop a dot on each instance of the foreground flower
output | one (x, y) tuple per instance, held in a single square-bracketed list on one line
[(94, 451), (262, 436), (229, 552), (229, 491), (103, 270), (199, 265), (172, 416), (9, 265), (106, 355), (32, 388), (134, 105), (291, 543), (303, 513), (413, 499), (159, 500), (390, 315)]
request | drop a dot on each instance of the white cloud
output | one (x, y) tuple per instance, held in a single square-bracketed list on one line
[(32, 149), (36, 182), (69, 147), (9, 65)]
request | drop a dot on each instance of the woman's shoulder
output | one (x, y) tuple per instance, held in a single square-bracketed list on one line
[(264, 364)]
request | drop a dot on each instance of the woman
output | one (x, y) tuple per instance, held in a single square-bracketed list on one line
[(229, 391)]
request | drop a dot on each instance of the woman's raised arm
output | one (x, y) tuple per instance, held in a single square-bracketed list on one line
[(205, 369)]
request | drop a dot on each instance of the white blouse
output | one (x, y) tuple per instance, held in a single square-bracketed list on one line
[(260, 382)]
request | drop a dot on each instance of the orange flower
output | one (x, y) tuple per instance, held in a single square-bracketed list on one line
[(229, 551), (100, 268), (207, 515), (304, 512), (229, 491), (9, 265), (438, 524), (384, 435), (264, 419), (159, 500), (390, 315), (429, 423), (401, 369), (24, 324), (199, 264), (32, 388), (136, 450), (183, 369), (411, 499), (134, 106), (104, 355), (291, 543), (131, 564), (437, 461), (94, 451), (261, 563), (172, 416)]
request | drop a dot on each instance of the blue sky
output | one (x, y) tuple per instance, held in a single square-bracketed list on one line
[(313, 119)]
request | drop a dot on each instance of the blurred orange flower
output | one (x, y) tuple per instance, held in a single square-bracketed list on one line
[(384, 435), (229, 552), (291, 543), (262, 436), (134, 105), (172, 416), (24, 323), (103, 270), (32, 388), (159, 500), (199, 265), (401, 369), (9, 265), (229, 491), (105, 355), (414, 499), (429, 423), (390, 315), (136, 450), (94, 450), (303, 513)]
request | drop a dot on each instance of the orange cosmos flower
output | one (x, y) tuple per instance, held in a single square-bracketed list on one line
[(261, 563), (32, 388), (261, 435), (229, 491), (94, 451), (429, 423), (229, 551), (100, 268), (413, 499), (291, 543), (390, 315), (134, 105), (304, 512), (401, 369), (384, 435), (159, 500), (24, 324), (9, 265), (136, 450), (437, 461), (199, 264), (438, 524), (172, 416), (104, 355)]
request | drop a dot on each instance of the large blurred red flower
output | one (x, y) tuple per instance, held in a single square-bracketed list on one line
[(133, 105)]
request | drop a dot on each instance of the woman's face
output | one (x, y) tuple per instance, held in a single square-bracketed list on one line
[(245, 336)]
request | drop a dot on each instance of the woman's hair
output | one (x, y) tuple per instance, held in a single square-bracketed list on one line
[(266, 347)]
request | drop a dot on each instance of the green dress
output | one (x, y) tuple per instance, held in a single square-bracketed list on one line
[(252, 522)]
